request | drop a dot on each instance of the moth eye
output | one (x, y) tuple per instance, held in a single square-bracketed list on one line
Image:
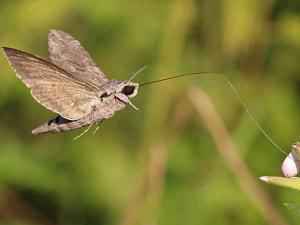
[(128, 90)]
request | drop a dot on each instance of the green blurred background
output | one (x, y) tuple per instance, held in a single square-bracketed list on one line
[(159, 165)]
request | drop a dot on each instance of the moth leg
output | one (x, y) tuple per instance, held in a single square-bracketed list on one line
[(96, 129), (91, 118), (84, 132)]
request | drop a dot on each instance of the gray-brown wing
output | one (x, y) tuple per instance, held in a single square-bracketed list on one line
[(51, 86), (67, 53)]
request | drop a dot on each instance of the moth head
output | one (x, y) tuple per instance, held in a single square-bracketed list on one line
[(128, 88)]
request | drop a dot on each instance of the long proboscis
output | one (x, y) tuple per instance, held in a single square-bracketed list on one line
[(171, 77), (236, 93)]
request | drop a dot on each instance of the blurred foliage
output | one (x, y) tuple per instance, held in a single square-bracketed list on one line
[(100, 179)]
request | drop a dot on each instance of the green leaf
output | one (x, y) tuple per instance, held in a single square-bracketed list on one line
[(293, 182)]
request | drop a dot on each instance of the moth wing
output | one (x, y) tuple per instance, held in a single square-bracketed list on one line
[(67, 53), (51, 86)]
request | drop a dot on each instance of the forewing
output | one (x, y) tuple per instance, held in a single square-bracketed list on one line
[(51, 86), (67, 53)]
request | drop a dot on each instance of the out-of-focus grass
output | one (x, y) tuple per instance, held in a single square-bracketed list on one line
[(157, 165)]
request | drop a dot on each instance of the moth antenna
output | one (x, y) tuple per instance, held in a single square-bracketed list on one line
[(236, 93), (136, 73)]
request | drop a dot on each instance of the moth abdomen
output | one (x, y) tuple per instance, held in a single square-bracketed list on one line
[(60, 124)]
